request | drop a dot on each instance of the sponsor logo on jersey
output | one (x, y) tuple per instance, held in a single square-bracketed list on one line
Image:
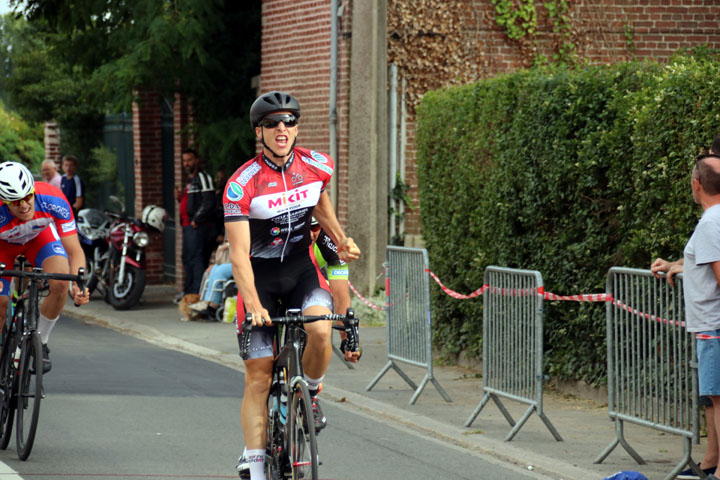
[(320, 158), (275, 231), (272, 184), (327, 241), (296, 238), (234, 192), (282, 208), (61, 211), (318, 165), (287, 198), (276, 242), (248, 173), (58, 249), (343, 271), (231, 209), (68, 227), (296, 178)]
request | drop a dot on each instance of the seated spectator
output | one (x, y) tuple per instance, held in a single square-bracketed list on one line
[(220, 271)]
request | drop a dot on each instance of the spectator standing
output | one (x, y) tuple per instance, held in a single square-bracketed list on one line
[(71, 184), (701, 287), (220, 181), (50, 173), (197, 210)]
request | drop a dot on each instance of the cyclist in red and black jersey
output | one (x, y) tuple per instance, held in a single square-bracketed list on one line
[(268, 205)]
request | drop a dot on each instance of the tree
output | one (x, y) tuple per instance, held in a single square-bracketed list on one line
[(208, 50)]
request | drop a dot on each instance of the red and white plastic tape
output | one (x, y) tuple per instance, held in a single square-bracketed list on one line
[(363, 299), (593, 297)]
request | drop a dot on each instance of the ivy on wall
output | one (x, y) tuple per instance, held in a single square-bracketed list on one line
[(523, 20), (433, 43)]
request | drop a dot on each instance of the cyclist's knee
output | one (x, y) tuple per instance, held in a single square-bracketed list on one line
[(58, 287), (319, 332), (258, 375)]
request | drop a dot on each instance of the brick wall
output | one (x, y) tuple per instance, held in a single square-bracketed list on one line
[(605, 31), (296, 59), (182, 116), (147, 131), (52, 142)]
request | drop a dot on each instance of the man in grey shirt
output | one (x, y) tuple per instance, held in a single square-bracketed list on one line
[(701, 285)]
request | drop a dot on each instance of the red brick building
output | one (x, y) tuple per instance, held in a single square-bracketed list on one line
[(434, 43)]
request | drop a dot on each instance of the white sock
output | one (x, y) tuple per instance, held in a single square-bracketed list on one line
[(257, 464), (313, 384), (45, 326)]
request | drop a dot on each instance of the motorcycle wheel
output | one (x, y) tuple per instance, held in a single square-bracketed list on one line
[(124, 296)]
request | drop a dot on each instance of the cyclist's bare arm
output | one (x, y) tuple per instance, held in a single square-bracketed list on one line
[(76, 259), (325, 215), (238, 234)]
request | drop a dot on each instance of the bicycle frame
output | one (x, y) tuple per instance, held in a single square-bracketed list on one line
[(291, 442), (21, 385)]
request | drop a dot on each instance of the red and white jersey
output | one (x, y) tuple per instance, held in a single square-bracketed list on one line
[(51, 207), (278, 202)]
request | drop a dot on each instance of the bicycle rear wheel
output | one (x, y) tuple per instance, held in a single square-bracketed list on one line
[(29, 394), (302, 446)]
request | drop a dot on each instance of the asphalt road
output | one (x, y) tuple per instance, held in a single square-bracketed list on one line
[(117, 407)]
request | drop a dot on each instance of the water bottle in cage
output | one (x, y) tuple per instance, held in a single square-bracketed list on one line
[(283, 398)]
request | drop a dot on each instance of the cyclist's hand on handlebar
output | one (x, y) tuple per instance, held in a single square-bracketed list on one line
[(260, 317), (348, 250), (80, 297), (352, 357)]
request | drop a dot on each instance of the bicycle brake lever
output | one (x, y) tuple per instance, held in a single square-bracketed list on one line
[(80, 283), (245, 331)]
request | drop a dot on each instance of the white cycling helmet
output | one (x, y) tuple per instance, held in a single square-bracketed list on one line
[(16, 181), (154, 216)]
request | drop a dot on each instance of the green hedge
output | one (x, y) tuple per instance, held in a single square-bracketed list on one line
[(565, 171)]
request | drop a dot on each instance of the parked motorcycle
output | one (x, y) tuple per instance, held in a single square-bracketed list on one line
[(92, 226), (119, 270)]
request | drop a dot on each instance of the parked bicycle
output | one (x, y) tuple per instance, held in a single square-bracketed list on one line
[(21, 367), (291, 450)]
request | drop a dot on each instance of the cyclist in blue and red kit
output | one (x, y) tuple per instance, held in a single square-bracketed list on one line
[(269, 203), (37, 221)]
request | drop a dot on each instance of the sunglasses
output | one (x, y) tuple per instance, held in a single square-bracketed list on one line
[(272, 121), (27, 199)]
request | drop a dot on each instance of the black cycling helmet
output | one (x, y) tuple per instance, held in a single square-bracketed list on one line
[(272, 102)]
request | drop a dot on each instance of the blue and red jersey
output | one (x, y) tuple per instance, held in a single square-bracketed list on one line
[(51, 207)]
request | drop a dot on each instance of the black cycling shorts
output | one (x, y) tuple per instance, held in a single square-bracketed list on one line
[(294, 283)]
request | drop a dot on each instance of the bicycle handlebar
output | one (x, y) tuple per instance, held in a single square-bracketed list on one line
[(38, 274), (294, 317)]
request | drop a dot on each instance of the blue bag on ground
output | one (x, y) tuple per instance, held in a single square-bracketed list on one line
[(627, 476)]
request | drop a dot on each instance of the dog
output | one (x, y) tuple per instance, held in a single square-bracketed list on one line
[(187, 314)]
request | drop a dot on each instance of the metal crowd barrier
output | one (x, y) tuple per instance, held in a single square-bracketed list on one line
[(513, 344), (409, 324), (652, 371)]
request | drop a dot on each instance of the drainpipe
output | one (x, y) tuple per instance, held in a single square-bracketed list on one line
[(392, 145), (333, 120)]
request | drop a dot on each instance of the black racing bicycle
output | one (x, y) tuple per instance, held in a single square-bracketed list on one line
[(291, 450), (21, 367)]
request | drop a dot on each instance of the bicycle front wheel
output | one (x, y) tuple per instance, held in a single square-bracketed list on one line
[(302, 442), (8, 374), (29, 394)]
